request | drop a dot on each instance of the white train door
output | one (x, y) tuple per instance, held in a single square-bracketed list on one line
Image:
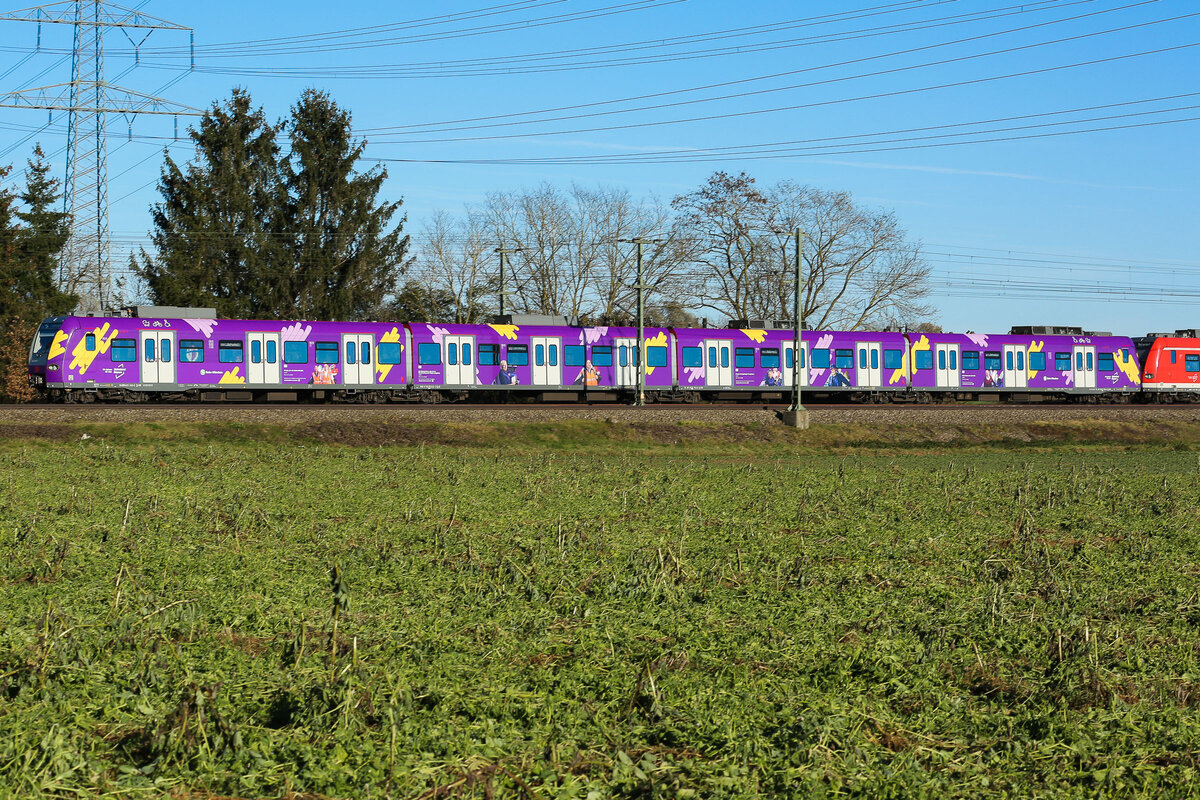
[(788, 363), (547, 366), (719, 366), (1015, 374), (870, 370), (1084, 371), (358, 358), (459, 357), (158, 356), (625, 362), (263, 366), (947, 366)]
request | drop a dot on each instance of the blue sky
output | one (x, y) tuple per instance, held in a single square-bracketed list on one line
[(1072, 198)]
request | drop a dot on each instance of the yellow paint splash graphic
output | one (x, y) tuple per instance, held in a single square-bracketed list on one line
[(232, 376), (1035, 347), (56, 347), (657, 341), (1124, 361), (382, 370), (755, 334), (507, 331), (82, 358), (910, 360)]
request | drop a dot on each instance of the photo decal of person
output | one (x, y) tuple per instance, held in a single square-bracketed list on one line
[(507, 376)]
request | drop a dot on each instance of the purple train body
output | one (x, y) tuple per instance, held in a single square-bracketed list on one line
[(81, 359)]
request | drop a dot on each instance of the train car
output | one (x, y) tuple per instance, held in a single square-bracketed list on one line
[(1022, 365), (1171, 366)]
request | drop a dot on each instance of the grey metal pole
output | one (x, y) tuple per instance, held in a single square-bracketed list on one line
[(504, 251), (640, 396), (797, 347)]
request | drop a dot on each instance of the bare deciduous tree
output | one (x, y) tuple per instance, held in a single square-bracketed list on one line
[(456, 258)]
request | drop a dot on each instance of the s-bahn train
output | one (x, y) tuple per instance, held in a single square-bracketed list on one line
[(177, 354)]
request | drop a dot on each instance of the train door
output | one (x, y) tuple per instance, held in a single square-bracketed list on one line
[(263, 366), (789, 363), (719, 371), (358, 362), (1015, 374), (1084, 373), (870, 370), (547, 367), (158, 356), (625, 371), (459, 358), (948, 375)]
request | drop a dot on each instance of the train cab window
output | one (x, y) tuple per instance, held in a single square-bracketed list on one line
[(466, 354), (1037, 361), (1105, 362), (365, 353), (820, 358), (192, 350), (539, 355), (743, 357), (123, 350), (844, 359), (769, 357), (429, 354), (272, 352), (518, 355), (327, 353), (389, 352), (295, 352), (991, 360), (1172, 352), (656, 356), (923, 359), (1191, 362), (970, 359), (89, 343), (602, 355), (232, 353), (149, 348), (573, 355), (452, 353), (1124, 353), (693, 357), (489, 355), (892, 359), (1062, 362)]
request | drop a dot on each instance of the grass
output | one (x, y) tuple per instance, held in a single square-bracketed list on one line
[(212, 611)]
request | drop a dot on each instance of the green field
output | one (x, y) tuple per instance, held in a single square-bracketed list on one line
[(255, 613)]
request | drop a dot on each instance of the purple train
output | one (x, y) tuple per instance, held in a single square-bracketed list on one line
[(187, 354)]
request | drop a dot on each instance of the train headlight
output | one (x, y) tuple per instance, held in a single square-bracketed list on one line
[(1149, 376), (52, 367)]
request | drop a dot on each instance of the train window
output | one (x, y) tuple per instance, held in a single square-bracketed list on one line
[(1089, 361), (255, 352), (768, 358), (295, 353), (389, 352), (862, 358), (1037, 361), (1105, 362), (991, 360), (1021, 360), (623, 356), (553, 355), (875, 359), (656, 356), (1062, 362), (149, 347), (573, 355), (191, 351), (89, 342), (1172, 352), (789, 358), (820, 358), (892, 359), (466, 353), (164, 351), (954, 359), (724, 356), (452, 353), (539, 354), (518, 355), (743, 357), (693, 357), (489, 355), (844, 359), (1008, 359), (1191, 362), (601, 356), (366, 353), (970, 359), (1124, 353), (712, 357), (923, 359), (272, 352), (941, 359), (429, 354), (1079, 361), (801, 358), (231, 352), (350, 359), (327, 352), (123, 350)]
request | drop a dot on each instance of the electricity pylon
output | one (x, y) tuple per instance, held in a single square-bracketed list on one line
[(88, 98)]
